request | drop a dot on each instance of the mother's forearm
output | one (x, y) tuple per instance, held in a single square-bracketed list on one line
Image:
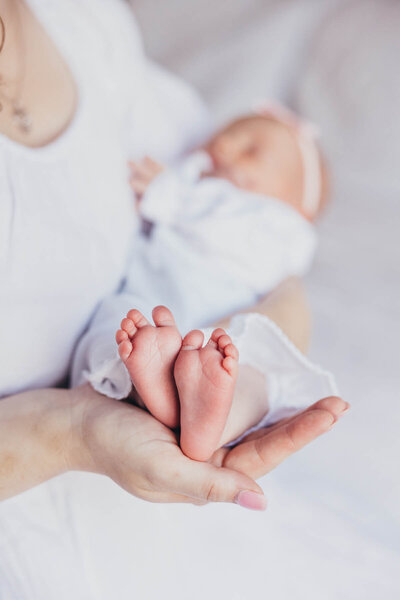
[(287, 306), (37, 438)]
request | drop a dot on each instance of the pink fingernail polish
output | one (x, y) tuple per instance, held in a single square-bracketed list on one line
[(251, 500)]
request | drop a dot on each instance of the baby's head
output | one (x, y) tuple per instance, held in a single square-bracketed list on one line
[(271, 152)]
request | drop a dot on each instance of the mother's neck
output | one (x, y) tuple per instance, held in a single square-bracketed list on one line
[(8, 10)]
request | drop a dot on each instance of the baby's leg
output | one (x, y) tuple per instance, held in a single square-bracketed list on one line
[(205, 378), (149, 353)]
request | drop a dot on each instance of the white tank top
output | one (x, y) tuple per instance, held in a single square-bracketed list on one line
[(66, 210)]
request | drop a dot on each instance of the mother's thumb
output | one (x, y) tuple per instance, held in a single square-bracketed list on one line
[(217, 484)]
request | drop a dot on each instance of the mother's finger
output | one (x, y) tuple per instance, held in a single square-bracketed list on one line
[(191, 481), (332, 404), (261, 453)]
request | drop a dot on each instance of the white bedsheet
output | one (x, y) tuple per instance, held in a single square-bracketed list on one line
[(333, 527)]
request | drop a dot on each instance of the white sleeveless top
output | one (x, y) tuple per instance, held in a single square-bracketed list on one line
[(66, 210)]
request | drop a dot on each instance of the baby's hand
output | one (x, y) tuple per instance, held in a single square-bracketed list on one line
[(142, 174)]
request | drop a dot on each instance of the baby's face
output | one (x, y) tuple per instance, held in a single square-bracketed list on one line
[(259, 155)]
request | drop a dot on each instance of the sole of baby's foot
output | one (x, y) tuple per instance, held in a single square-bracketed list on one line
[(205, 378), (149, 353)]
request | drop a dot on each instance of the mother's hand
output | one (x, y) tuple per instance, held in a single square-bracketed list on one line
[(142, 456), (262, 451)]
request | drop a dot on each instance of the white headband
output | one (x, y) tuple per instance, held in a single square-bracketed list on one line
[(307, 135)]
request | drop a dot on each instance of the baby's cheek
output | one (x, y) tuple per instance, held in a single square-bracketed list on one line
[(257, 183)]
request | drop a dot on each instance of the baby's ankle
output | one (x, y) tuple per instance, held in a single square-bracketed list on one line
[(249, 406)]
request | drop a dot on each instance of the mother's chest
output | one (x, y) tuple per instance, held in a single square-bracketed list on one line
[(66, 224)]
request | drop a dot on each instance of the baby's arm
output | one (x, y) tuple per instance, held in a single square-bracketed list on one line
[(287, 306)]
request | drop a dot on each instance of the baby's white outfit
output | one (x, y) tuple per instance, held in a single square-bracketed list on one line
[(209, 250), (214, 249)]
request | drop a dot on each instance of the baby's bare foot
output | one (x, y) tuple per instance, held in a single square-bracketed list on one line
[(205, 378), (149, 354)]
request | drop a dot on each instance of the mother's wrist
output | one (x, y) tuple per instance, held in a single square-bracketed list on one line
[(85, 408)]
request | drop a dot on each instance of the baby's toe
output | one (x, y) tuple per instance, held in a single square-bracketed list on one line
[(230, 365), (193, 340), (121, 336), (128, 326), (124, 350), (137, 318), (224, 341), (163, 317), (231, 351), (217, 333)]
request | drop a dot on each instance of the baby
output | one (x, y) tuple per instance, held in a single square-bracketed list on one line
[(223, 228)]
